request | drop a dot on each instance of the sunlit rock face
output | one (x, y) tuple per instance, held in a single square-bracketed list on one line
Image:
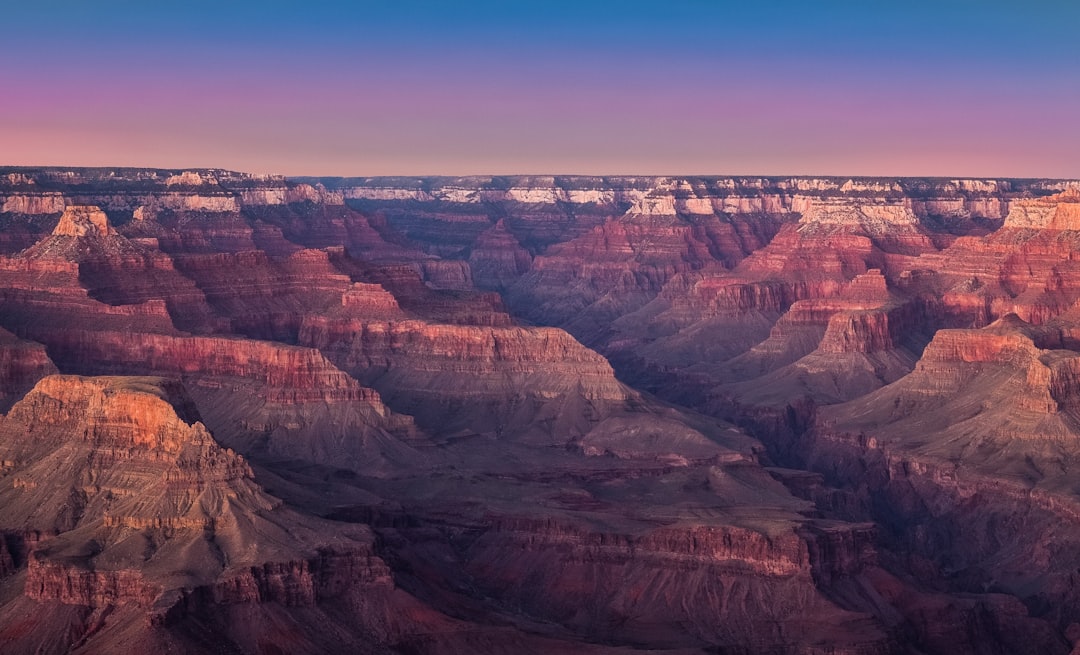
[(83, 220), (39, 203), (1060, 211), (245, 413)]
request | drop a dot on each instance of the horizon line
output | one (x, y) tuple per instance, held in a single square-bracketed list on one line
[(287, 176)]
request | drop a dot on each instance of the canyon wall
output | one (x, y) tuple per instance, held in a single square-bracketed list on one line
[(537, 413)]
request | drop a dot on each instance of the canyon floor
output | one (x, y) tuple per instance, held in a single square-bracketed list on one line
[(813, 416)]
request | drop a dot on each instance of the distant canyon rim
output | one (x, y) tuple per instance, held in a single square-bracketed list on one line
[(538, 414)]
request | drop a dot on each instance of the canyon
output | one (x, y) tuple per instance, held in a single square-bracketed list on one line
[(524, 414)]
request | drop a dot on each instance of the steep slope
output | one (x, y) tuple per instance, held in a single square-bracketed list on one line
[(123, 505), (865, 337), (121, 271), (973, 449)]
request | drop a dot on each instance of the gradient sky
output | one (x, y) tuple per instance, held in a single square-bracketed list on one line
[(411, 87)]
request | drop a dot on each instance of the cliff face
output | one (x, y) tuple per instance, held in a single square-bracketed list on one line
[(37, 203), (133, 468), (605, 584), (83, 220), (1057, 212), (261, 397), (537, 385), (117, 418)]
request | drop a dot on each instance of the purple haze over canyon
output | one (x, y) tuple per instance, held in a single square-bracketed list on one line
[(950, 88)]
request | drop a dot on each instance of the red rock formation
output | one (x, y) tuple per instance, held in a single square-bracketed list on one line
[(261, 296), (83, 220), (48, 202), (1057, 212), (288, 402), (156, 532), (1026, 267), (321, 225), (117, 417), (142, 498), (798, 306), (456, 377), (259, 396), (772, 306), (448, 275), (99, 263), (44, 292), (417, 298), (642, 577), (497, 259), (600, 583), (621, 265), (951, 435), (370, 300)]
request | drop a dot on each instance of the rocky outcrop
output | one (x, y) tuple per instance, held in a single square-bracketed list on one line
[(1057, 212), (596, 583), (857, 331), (96, 276), (371, 301), (262, 296), (48, 202), (259, 397), (83, 220), (153, 526), (290, 194), (942, 447), (418, 298), (48, 581), (617, 268), (772, 307), (119, 418), (447, 275), (453, 377), (880, 217), (1021, 268), (136, 452), (291, 374), (185, 202), (137, 469), (700, 578)]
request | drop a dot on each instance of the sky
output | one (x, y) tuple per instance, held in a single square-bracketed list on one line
[(415, 87)]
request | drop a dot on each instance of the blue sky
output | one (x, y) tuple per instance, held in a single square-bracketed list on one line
[(414, 87)]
